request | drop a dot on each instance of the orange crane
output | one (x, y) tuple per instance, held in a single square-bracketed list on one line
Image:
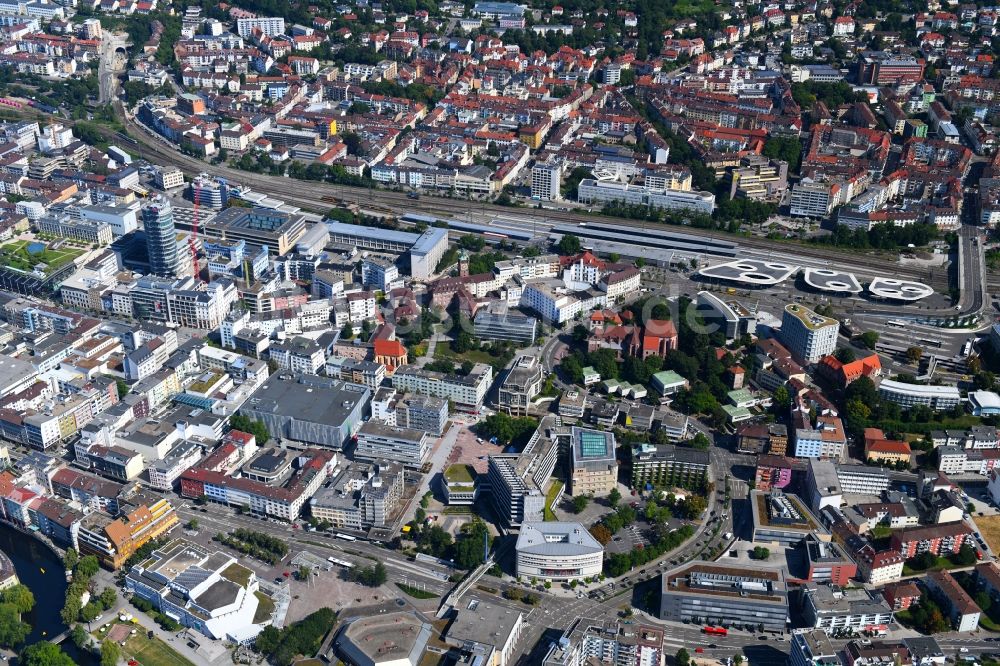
[(193, 238)]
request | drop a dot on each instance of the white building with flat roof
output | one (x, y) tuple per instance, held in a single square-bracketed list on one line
[(809, 336), (557, 551), (910, 395), (546, 178)]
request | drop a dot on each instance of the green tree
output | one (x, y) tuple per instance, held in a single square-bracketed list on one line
[(268, 640), (108, 597), (122, 387), (71, 609), (845, 355), (79, 635), (683, 658), (304, 572), (192, 524), (70, 558), (569, 244), (966, 556), (90, 612), (781, 397), (110, 653), (347, 333), (13, 630), (700, 441), (20, 597), (44, 654), (914, 354), (88, 566), (760, 553), (580, 503), (785, 148), (869, 339), (469, 546), (254, 427), (614, 497)]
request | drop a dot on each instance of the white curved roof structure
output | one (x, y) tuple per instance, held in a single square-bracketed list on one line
[(826, 279), (899, 290), (750, 272)]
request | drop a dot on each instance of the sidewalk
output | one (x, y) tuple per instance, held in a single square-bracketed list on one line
[(210, 652)]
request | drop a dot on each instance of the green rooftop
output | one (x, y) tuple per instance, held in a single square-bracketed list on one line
[(808, 318), (460, 474), (238, 574)]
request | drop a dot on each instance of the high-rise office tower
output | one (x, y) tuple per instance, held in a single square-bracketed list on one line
[(161, 237)]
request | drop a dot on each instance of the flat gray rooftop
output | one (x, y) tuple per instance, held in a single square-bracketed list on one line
[(750, 272), (826, 279), (899, 290)]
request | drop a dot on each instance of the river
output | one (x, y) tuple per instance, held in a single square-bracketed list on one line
[(42, 572)]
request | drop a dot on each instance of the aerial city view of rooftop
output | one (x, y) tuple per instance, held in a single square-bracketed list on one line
[(440, 333)]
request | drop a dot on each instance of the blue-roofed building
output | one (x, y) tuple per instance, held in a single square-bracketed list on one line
[(594, 466), (498, 10)]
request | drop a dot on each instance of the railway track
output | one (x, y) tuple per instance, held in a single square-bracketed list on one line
[(317, 197)]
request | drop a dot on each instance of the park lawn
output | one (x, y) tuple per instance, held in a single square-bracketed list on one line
[(152, 652), (16, 255), (550, 497), (443, 350), (989, 527), (942, 564)]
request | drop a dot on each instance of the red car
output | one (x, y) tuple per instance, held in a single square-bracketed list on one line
[(699, 650)]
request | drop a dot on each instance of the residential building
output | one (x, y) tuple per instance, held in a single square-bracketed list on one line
[(611, 642), (299, 355), (812, 648), (939, 540), (807, 335), (421, 412), (546, 179), (114, 540), (669, 465), (269, 25), (467, 392), (955, 601), (835, 609)]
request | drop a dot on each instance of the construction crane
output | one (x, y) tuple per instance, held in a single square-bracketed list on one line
[(193, 237)]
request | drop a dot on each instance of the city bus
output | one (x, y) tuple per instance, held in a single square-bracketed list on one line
[(345, 537), (341, 563)]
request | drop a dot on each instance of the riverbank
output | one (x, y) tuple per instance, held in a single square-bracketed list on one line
[(39, 567)]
